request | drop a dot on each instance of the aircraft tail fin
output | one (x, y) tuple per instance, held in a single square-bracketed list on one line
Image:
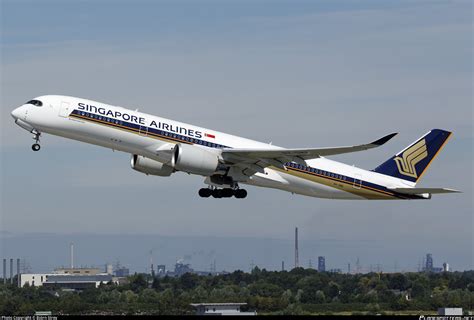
[(411, 163)]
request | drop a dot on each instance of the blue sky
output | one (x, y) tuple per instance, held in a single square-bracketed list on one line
[(298, 74)]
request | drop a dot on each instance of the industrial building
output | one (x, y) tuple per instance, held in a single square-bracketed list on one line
[(180, 268), (450, 311), (221, 309), (429, 265), (161, 270), (70, 278), (321, 264), (78, 271), (66, 281), (73, 277), (121, 272)]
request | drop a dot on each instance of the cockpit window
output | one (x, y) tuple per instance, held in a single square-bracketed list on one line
[(35, 103)]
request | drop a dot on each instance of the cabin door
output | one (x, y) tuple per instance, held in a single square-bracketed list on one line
[(64, 109), (357, 181)]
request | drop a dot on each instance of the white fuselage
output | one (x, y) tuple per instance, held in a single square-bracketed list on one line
[(136, 133)]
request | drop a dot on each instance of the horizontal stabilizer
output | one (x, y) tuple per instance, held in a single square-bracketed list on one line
[(424, 190)]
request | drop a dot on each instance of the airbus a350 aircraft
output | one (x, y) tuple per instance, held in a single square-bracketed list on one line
[(160, 147)]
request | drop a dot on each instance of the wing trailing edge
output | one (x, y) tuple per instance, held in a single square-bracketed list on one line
[(416, 191)]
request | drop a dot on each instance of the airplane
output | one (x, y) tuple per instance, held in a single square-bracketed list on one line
[(160, 147)]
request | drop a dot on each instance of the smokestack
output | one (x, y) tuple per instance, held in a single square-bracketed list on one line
[(282, 265), (11, 270), (72, 255), (152, 270), (4, 271), (18, 272), (297, 263)]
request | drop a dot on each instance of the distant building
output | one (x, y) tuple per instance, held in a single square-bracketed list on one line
[(429, 265), (429, 262), (450, 311), (66, 281), (181, 268), (76, 271), (122, 272), (69, 278), (34, 280), (221, 309), (109, 269), (321, 264), (160, 269), (335, 270), (445, 267)]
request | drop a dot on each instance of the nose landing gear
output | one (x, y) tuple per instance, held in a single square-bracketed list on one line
[(222, 193), (36, 136)]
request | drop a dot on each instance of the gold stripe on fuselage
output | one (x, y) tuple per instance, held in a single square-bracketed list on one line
[(130, 130), (364, 191)]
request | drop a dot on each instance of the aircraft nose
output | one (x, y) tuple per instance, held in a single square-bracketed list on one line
[(17, 113)]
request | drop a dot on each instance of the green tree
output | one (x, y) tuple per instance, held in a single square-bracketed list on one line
[(148, 296), (138, 282), (333, 289), (419, 289)]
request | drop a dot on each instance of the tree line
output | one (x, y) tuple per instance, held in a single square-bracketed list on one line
[(299, 291)]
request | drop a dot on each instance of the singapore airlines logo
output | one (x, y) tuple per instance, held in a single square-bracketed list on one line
[(410, 157)]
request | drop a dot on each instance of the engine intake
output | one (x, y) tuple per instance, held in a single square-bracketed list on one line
[(149, 166), (195, 160)]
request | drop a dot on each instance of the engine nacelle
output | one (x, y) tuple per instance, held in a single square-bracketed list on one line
[(149, 166), (195, 160)]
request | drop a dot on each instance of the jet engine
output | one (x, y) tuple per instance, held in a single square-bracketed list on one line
[(195, 160), (149, 166)]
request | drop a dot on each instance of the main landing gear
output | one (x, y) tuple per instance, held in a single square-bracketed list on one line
[(222, 193), (36, 136)]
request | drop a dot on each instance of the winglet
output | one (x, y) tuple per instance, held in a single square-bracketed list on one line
[(383, 140)]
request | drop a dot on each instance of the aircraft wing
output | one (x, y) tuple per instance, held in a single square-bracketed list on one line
[(424, 190), (262, 158)]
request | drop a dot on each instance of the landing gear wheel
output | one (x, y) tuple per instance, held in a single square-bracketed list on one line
[(205, 192), (240, 193), (217, 193), (36, 137), (227, 193)]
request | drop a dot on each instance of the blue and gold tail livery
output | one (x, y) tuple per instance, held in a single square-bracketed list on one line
[(410, 163)]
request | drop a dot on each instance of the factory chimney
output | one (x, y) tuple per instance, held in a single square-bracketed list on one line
[(4, 271), (297, 263), (72, 255), (18, 272), (11, 270), (152, 270)]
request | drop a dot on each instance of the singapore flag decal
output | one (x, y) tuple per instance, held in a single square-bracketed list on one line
[(210, 135)]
